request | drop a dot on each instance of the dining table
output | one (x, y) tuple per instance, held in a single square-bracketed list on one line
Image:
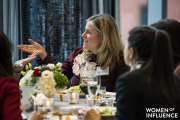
[(63, 110)]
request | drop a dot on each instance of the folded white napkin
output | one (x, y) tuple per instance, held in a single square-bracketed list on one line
[(39, 99)]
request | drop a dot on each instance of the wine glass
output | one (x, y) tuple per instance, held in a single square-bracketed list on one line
[(85, 77), (94, 86)]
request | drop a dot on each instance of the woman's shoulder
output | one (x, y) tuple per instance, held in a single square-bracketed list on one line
[(10, 79), (75, 52), (134, 81), (133, 76), (78, 50)]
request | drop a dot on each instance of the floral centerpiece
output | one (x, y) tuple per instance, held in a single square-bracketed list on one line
[(46, 79)]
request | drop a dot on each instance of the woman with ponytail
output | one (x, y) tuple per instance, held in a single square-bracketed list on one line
[(151, 87)]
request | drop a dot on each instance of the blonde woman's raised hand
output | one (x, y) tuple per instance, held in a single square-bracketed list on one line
[(32, 48)]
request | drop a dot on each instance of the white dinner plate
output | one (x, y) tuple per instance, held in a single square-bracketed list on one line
[(111, 94), (71, 108), (112, 109)]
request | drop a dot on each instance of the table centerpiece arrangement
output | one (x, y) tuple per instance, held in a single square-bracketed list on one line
[(46, 80)]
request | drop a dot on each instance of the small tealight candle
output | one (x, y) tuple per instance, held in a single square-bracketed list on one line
[(47, 102), (73, 96)]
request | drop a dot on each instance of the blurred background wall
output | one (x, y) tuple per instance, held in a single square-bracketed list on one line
[(138, 12)]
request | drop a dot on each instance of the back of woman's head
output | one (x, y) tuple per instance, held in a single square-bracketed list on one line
[(141, 38), (112, 46), (148, 42), (172, 27), (5, 56), (154, 47)]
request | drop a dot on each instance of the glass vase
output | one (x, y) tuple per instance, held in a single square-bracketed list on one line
[(27, 102)]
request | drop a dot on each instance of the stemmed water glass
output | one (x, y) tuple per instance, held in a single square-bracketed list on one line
[(85, 77), (94, 86)]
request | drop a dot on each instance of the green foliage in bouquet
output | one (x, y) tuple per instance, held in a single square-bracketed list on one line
[(61, 80), (27, 68), (31, 83)]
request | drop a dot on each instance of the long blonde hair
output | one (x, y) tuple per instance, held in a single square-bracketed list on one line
[(112, 47)]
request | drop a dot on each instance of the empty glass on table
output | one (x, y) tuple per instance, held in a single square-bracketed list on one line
[(102, 91)]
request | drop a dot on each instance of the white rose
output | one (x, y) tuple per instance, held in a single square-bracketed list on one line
[(47, 74), (59, 64), (51, 66)]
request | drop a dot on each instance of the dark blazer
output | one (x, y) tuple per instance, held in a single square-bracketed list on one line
[(134, 99)]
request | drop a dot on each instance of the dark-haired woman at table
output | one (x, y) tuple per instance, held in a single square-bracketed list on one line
[(151, 83), (9, 88)]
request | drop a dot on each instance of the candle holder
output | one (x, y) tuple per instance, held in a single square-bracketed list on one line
[(73, 97), (47, 109)]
